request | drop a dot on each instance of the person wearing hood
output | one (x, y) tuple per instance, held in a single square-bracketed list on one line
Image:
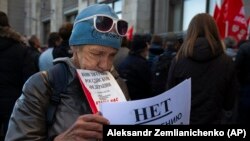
[(214, 84), (14, 69)]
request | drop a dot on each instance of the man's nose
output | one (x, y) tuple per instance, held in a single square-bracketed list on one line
[(105, 64)]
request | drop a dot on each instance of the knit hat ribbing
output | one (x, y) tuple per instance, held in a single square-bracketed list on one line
[(84, 32)]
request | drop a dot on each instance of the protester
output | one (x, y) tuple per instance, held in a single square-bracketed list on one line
[(231, 45), (135, 69), (242, 64), (15, 69), (46, 58), (214, 84), (156, 48), (64, 49), (161, 65), (34, 50), (94, 47)]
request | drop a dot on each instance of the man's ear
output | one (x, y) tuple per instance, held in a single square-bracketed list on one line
[(73, 48)]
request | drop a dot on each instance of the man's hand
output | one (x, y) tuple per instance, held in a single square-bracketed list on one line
[(86, 127)]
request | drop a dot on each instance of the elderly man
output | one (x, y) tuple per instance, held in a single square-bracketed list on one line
[(95, 39)]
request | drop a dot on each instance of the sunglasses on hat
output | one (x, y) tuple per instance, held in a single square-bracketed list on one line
[(104, 24)]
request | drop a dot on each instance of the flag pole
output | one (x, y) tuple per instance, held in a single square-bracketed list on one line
[(226, 30), (248, 29)]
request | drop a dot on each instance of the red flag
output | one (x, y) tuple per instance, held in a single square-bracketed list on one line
[(236, 24), (216, 12), (130, 33), (220, 19), (248, 28)]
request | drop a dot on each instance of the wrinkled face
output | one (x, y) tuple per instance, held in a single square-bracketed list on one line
[(94, 57)]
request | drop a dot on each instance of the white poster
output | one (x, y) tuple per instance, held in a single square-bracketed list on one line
[(169, 108), (100, 87)]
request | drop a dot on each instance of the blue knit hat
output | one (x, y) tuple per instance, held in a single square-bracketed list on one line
[(84, 32)]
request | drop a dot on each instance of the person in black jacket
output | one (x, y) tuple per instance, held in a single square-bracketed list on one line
[(242, 64), (14, 70), (135, 69), (64, 49), (202, 58), (34, 51)]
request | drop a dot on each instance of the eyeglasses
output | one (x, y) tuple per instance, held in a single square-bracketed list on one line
[(104, 24)]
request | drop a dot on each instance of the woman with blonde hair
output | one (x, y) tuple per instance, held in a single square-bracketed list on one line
[(202, 58)]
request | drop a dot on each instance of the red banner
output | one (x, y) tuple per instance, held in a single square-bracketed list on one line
[(216, 12), (237, 26), (219, 18), (130, 33), (231, 20)]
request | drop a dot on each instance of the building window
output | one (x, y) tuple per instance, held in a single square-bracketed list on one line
[(212, 4), (46, 31), (191, 8), (71, 17), (115, 4)]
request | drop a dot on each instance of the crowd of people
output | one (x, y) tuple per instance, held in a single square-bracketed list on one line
[(145, 66), (21, 57)]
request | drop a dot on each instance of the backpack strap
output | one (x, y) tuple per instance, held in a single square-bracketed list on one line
[(58, 79)]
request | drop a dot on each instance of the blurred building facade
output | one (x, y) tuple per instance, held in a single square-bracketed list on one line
[(41, 17)]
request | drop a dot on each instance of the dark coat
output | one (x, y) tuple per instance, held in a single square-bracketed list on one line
[(214, 83), (243, 63), (159, 70), (62, 51), (136, 72), (34, 53), (14, 69), (243, 70)]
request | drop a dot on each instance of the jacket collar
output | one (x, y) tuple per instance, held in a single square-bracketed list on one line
[(7, 32)]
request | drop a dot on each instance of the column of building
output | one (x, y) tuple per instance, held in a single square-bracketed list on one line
[(56, 19), (4, 5)]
